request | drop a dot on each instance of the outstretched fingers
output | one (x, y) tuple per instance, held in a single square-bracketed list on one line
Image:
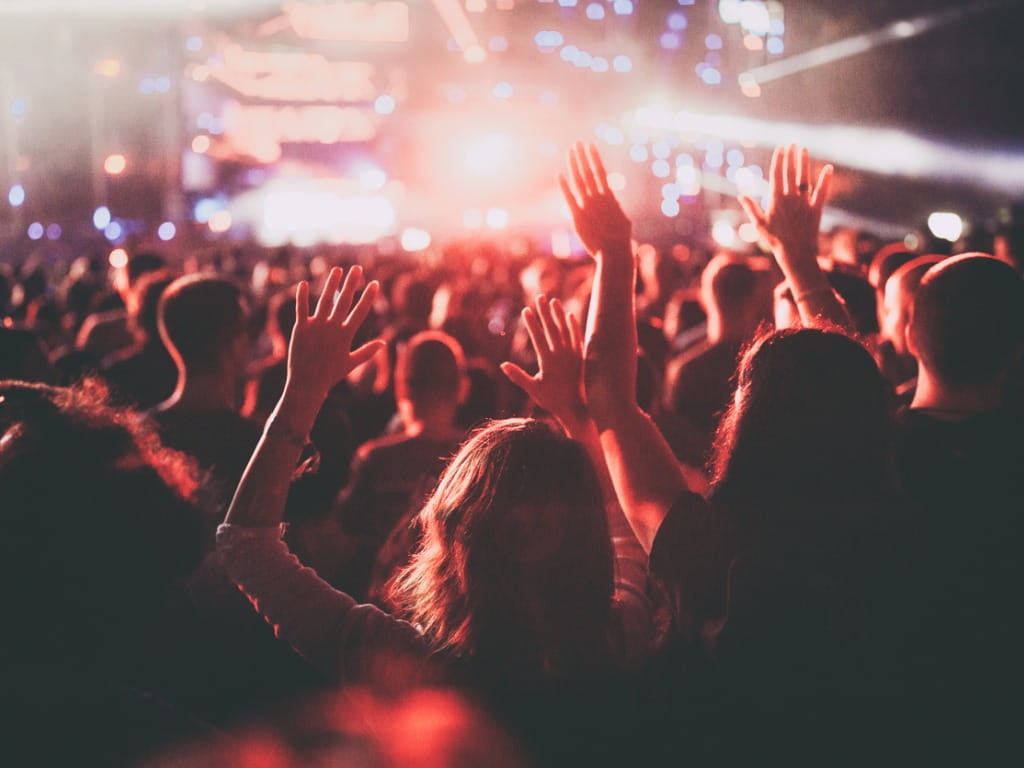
[(302, 302), (343, 301), (326, 302), (357, 316), (597, 169), (581, 172), (822, 187)]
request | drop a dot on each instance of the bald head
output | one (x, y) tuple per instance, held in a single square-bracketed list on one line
[(967, 321), (897, 297)]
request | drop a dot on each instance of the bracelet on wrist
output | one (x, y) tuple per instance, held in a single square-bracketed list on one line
[(285, 432), (816, 291)]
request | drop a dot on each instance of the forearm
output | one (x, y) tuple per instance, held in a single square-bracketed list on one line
[(262, 492), (611, 342), (815, 299)]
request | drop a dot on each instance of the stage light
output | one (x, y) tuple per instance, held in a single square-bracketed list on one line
[(595, 11), (569, 53), (567, 3), (108, 67), (147, 86), (713, 42), (946, 225), (638, 153), (162, 84), (474, 54), (118, 258), (777, 27), (496, 218), (205, 208), (729, 10), (583, 59), (753, 43), (599, 64), (113, 231), (373, 179), (723, 233), (754, 17), (194, 43), (775, 46), (101, 217), (676, 20), (548, 39), (614, 136), (166, 231), (623, 7), (688, 179), (16, 195), (661, 149), (35, 231), (53, 232), (670, 41), (711, 76), (115, 164), (661, 168), (670, 191), (414, 239), (502, 90), (201, 144), (622, 63), (748, 233), (489, 153), (220, 222), (670, 208), (384, 104), (734, 157)]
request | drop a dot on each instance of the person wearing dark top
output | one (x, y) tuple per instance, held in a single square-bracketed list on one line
[(698, 382), (143, 374), (394, 473), (780, 580), (202, 321), (959, 453)]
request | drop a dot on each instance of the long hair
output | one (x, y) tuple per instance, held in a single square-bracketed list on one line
[(808, 426), (514, 573)]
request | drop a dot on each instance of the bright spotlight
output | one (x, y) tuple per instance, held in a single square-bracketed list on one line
[(497, 218), (414, 239), (118, 258), (115, 164), (946, 226), (723, 233), (101, 217), (373, 179), (16, 195), (488, 154), (166, 231), (220, 222), (35, 231)]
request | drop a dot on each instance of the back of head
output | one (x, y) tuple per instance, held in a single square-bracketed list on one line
[(98, 524), (967, 319), (898, 296), (430, 369), (888, 259), (515, 567), (728, 284), (808, 425), (148, 291), (412, 297), (199, 317)]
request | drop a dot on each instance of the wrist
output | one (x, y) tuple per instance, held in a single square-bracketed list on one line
[(296, 410)]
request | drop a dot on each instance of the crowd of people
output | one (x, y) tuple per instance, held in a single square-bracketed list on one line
[(502, 508)]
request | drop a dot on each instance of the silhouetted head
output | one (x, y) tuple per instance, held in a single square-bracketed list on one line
[(202, 321), (967, 321), (734, 295), (430, 369), (898, 295), (97, 519), (515, 568), (808, 425), (148, 291)]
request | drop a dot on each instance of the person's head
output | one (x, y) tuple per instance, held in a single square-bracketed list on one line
[(734, 295), (97, 518), (137, 265), (430, 371), (281, 318), (202, 320), (888, 259), (808, 424), (967, 320), (515, 568), (897, 297), (147, 292), (412, 298)]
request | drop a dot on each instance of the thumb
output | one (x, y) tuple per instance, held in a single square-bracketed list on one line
[(518, 376), (365, 352)]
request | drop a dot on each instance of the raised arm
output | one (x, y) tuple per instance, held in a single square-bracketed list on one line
[(643, 469), (790, 226)]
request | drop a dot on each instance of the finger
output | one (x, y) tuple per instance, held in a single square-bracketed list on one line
[(302, 302), (561, 325), (570, 196), (778, 172), (343, 302), (535, 332), (803, 170), (364, 353), (575, 333), (357, 316), (547, 322), (597, 169), (323, 306), (580, 172), (518, 376), (753, 209), (822, 187), (789, 170)]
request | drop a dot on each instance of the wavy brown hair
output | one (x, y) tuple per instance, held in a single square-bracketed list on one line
[(514, 573)]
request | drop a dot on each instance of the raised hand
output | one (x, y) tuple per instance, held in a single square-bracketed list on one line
[(319, 353), (794, 206), (598, 218), (558, 342)]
